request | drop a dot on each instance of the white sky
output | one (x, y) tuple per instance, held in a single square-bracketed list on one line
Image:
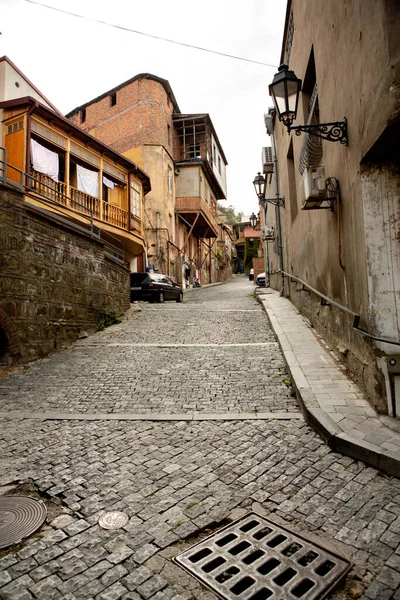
[(73, 60)]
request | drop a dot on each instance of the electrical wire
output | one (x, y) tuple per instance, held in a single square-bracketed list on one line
[(156, 37)]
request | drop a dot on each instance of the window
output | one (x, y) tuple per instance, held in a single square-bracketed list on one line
[(169, 134), (15, 127), (312, 150), (83, 115), (135, 199), (169, 180), (214, 154), (48, 135), (194, 151), (113, 99), (219, 165)]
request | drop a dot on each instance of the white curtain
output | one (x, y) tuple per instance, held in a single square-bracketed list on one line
[(45, 161), (108, 182), (88, 181)]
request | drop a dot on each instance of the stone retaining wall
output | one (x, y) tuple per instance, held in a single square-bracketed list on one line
[(53, 282)]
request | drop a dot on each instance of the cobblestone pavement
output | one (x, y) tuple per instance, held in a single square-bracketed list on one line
[(178, 480)]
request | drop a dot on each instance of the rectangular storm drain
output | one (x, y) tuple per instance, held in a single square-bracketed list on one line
[(255, 559)]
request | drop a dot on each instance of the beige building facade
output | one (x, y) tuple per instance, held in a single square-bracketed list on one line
[(341, 221)]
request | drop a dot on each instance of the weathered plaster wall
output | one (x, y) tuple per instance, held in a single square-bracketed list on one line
[(53, 281), (357, 72)]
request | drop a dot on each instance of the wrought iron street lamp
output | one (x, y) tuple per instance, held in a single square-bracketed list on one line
[(260, 183), (285, 91), (253, 220)]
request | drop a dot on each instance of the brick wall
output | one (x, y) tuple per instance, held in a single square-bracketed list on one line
[(141, 115), (53, 281), (258, 266)]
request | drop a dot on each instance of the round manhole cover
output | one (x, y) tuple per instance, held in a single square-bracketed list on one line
[(113, 520), (20, 516)]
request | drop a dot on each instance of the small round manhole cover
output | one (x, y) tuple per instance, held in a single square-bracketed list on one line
[(20, 516), (113, 520)]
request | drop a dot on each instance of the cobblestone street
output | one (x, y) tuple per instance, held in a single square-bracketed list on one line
[(184, 418)]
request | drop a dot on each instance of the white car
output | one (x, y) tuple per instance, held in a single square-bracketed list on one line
[(260, 280)]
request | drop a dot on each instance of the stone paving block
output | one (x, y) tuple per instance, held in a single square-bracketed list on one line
[(136, 577), (90, 590), (8, 560), (114, 592), (17, 588), (120, 554), (141, 555), (5, 578), (151, 586), (47, 588), (48, 554), (75, 583), (98, 570), (113, 575), (378, 591), (30, 550)]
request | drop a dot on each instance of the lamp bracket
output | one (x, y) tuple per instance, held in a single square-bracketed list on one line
[(277, 201), (333, 132)]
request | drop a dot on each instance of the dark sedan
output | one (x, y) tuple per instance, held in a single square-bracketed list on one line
[(154, 287)]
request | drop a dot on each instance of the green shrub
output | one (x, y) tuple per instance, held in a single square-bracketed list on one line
[(108, 316)]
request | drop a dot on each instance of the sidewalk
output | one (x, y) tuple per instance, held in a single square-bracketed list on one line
[(329, 400)]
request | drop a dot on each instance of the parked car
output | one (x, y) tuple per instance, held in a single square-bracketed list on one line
[(260, 280), (154, 287), (251, 275)]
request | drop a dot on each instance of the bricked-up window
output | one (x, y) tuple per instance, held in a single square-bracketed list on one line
[(135, 199), (113, 99), (169, 180), (83, 115)]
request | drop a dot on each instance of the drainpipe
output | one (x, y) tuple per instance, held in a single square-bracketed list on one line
[(269, 124), (266, 253)]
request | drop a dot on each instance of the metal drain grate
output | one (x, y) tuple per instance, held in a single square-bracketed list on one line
[(256, 559), (20, 516)]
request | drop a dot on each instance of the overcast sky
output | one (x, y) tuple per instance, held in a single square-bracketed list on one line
[(72, 60)]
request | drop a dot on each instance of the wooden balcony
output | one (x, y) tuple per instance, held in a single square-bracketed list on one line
[(78, 201), (196, 212)]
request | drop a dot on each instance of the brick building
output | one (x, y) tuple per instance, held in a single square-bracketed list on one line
[(182, 154)]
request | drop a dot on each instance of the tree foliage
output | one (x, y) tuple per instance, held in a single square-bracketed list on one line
[(230, 215)]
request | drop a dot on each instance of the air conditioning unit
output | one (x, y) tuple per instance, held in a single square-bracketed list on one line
[(313, 188), (267, 160), (268, 233)]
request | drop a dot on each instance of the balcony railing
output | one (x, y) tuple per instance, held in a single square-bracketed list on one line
[(47, 187), (195, 204), (85, 202), (115, 216), (78, 201)]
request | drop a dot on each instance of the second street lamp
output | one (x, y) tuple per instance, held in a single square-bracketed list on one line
[(253, 220), (259, 185)]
